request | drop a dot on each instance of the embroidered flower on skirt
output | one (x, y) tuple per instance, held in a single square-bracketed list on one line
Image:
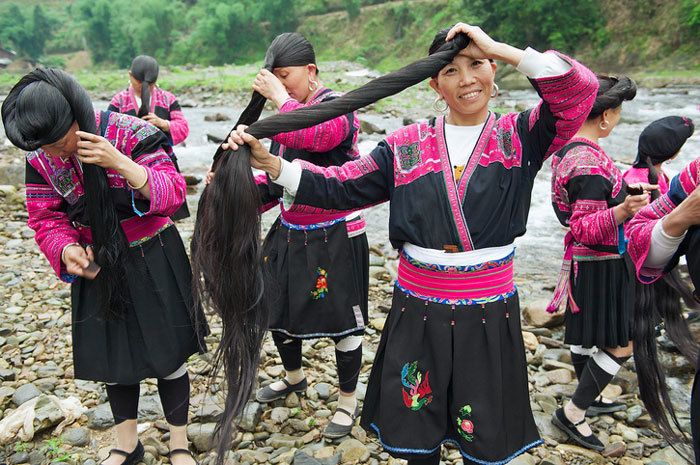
[(465, 427), (321, 285), (419, 392)]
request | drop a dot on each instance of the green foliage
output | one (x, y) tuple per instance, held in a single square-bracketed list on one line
[(691, 15), (26, 34), (353, 7)]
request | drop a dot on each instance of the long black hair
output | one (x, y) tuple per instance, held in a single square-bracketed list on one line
[(145, 69), (226, 258), (40, 110)]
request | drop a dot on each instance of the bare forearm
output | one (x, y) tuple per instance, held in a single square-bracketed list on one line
[(509, 54), (136, 175)]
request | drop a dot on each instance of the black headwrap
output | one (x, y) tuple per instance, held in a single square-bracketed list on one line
[(662, 139), (39, 110), (145, 69)]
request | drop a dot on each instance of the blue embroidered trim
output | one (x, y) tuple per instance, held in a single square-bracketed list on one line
[(446, 301), (311, 227), (675, 190), (621, 240), (133, 206), (402, 450), (317, 335), (69, 278)]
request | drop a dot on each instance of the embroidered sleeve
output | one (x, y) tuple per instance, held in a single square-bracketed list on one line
[(356, 184), (592, 221), (566, 101), (320, 138), (47, 217), (116, 103), (270, 193), (179, 128), (167, 186)]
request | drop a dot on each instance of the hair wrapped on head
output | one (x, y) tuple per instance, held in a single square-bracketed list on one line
[(226, 262), (40, 110), (612, 91), (145, 69), (662, 139)]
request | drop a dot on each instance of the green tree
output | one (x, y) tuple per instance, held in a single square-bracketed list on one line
[(27, 36)]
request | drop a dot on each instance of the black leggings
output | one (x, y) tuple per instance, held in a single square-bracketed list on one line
[(348, 362), (174, 395)]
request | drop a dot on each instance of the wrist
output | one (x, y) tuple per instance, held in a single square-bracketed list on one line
[(674, 225), (273, 167), (280, 99), (63, 252)]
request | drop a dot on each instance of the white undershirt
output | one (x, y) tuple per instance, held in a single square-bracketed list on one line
[(662, 248), (460, 144)]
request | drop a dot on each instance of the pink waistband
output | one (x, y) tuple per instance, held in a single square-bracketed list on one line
[(136, 228), (468, 285), (305, 219)]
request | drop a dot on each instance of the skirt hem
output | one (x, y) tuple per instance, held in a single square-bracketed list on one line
[(347, 332)]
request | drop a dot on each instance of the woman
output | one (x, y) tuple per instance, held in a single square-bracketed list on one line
[(659, 235), (100, 187), (143, 98), (659, 142), (590, 197), (453, 333), (306, 253)]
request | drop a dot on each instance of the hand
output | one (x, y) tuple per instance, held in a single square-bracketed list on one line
[(209, 177), (160, 123), (80, 261), (260, 157), (267, 85), (631, 205), (481, 46), (643, 186), (97, 150)]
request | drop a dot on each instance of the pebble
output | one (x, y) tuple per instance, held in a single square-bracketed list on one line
[(24, 393)]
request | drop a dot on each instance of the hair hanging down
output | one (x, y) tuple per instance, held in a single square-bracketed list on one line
[(226, 260), (612, 91), (145, 69), (40, 110)]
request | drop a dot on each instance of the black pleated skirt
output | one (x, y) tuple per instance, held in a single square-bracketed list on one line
[(604, 290), (319, 281), (435, 382), (160, 329)]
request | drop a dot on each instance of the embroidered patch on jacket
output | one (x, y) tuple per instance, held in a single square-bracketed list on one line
[(409, 156), (465, 427), (505, 143), (419, 392), (321, 285)]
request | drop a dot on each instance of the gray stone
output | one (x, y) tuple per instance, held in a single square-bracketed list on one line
[(76, 437), (524, 459), (279, 414), (89, 462), (19, 457), (149, 407), (278, 440), (201, 435), (100, 417), (37, 457), (47, 413), (301, 458), (251, 416), (49, 370), (209, 412), (323, 389), (547, 429), (24, 393), (669, 455), (352, 450), (7, 374), (633, 413)]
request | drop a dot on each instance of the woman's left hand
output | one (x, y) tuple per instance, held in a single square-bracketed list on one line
[(160, 123), (482, 46), (97, 150)]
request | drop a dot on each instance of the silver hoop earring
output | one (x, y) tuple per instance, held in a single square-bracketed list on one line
[(437, 107), (494, 90), (313, 85), (603, 126)]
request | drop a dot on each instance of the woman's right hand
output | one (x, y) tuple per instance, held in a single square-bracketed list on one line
[(631, 205), (260, 157), (80, 261)]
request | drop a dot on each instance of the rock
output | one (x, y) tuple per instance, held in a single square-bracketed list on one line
[(629, 461), (217, 117), (377, 323), (633, 413), (323, 389), (89, 462), (569, 450), (301, 458), (24, 393), (78, 437), (7, 374), (547, 429), (636, 449), (278, 440), (628, 434), (49, 370), (552, 460), (530, 341), (279, 414), (37, 457), (251, 416), (369, 128), (536, 315), (214, 139), (616, 449), (209, 412), (669, 455), (352, 450), (559, 376), (524, 459), (19, 457), (149, 407), (100, 417), (292, 400), (612, 391), (201, 435), (555, 364)]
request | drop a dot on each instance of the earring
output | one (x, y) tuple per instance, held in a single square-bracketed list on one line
[(494, 90), (603, 126), (437, 107), (313, 85)]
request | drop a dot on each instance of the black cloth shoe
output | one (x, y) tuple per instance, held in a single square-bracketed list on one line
[(181, 451), (267, 394), (598, 407), (590, 442), (130, 458), (334, 430)]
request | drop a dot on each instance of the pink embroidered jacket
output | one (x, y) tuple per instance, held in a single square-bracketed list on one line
[(327, 144), (636, 175), (639, 228), (55, 196), (163, 104), (586, 186), (488, 206)]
